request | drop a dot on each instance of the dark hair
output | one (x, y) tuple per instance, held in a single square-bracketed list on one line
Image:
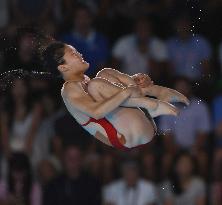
[(52, 57), (174, 178), (20, 162)]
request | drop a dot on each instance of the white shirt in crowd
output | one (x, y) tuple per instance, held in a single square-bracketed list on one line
[(195, 190), (118, 193), (132, 59), (191, 120)]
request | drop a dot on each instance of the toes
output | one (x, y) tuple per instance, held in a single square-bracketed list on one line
[(174, 110), (180, 98), (186, 101)]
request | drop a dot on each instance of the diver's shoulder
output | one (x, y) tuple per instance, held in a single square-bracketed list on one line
[(70, 89)]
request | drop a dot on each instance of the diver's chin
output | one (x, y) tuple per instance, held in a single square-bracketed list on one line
[(86, 66)]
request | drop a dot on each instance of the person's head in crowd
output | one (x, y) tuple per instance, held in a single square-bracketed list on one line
[(143, 29), (19, 179), (130, 173), (166, 164), (183, 26), (19, 89), (217, 165), (93, 164), (46, 171), (183, 85), (19, 94), (26, 48), (218, 132), (149, 165), (72, 161), (83, 20), (48, 103), (184, 168)]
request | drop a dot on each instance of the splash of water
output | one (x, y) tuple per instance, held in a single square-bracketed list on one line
[(7, 78)]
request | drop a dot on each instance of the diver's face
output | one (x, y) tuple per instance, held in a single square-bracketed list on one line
[(74, 60)]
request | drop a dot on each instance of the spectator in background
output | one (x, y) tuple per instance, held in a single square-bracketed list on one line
[(216, 179), (149, 166), (217, 116), (46, 172), (220, 58), (190, 129), (20, 119), (4, 14), (84, 37), (129, 190), (73, 186), (93, 165), (72, 133), (19, 188), (110, 167), (189, 53), (21, 53), (25, 11), (44, 137), (140, 51), (183, 186)]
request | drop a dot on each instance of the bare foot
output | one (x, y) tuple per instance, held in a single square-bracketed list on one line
[(170, 95), (164, 108)]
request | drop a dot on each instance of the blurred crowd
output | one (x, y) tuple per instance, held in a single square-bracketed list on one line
[(47, 158)]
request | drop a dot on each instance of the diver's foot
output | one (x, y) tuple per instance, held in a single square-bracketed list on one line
[(164, 108), (170, 96)]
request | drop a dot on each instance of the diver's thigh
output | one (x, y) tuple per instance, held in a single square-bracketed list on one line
[(132, 123), (102, 87)]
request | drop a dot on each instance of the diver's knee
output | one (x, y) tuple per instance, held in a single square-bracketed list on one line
[(104, 72), (95, 83)]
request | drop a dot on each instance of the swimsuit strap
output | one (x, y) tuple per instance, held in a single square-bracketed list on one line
[(110, 131)]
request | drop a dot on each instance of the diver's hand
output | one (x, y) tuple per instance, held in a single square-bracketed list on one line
[(135, 91), (142, 80)]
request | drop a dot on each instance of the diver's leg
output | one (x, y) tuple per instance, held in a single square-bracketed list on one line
[(160, 92), (165, 94), (101, 89)]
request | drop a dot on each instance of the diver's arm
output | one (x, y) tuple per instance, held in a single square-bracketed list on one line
[(99, 110), (116, 77), (139, 79)]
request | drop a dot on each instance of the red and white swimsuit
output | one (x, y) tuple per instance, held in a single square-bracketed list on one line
[(105, 124), (111, 133)]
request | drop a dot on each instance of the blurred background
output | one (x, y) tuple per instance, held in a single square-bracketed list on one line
[(47, 158)]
